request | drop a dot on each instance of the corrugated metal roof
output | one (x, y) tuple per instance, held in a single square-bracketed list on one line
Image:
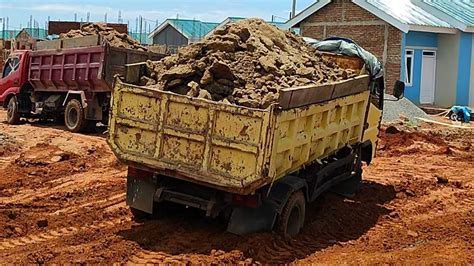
[(193, 29), (407, 12), (462, 10)]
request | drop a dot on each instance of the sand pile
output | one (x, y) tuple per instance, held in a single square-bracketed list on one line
[(110, 35), (244, 63)]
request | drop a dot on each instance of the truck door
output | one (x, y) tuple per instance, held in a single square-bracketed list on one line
[(374, 115), (10, 76)]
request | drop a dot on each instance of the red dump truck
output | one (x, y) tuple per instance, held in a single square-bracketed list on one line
[(65, 78)]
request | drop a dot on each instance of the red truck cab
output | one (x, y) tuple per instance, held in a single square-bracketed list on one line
[(14, 77)]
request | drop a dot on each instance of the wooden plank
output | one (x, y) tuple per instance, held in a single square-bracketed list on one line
[(305, 95), (86, 41), (48, 45), (442, 123), (351, 86)]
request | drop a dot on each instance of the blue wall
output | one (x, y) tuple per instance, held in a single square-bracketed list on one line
[(413, 92), (464, 69), (424, 39), (417, 39)]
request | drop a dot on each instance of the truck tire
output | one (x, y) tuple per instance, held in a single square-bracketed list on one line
[(291, 219), (13, 116), (74, 117)]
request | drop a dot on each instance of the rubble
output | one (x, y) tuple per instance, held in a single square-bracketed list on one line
[(110, 35), (244, 63)]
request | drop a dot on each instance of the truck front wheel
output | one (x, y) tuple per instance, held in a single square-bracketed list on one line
[(291, 219), (13, 116), (74, 116)]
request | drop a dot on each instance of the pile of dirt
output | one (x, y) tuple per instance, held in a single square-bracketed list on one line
[(244, 63), (397, 139), (110, 35)]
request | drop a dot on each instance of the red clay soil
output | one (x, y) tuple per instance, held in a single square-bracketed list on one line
[(62, 201)]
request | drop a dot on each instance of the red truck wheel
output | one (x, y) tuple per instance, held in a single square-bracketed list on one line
[(13, 116), (291, 219), (74, 116)]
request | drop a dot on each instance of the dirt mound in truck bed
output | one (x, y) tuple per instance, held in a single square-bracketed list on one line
[(110, 35), (244, 63)]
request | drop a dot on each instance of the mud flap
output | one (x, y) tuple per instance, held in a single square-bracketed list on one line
[(348, 187), (246, 220), (140, 194)]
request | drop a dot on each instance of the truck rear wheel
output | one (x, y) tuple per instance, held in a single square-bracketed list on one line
[(291, 219), (74, 116), (13, 116)]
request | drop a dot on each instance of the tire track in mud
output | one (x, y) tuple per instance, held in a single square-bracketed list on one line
[(56, 234), (4, 161), (79, 180), (145, 257), (104, 203)]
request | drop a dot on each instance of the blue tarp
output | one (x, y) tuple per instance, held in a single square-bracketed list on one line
[(462, 112), (349, 47)]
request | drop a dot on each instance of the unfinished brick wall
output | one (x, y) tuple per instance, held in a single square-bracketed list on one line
[(345, 19)]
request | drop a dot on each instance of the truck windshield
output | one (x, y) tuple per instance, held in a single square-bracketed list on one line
[(11, 66)]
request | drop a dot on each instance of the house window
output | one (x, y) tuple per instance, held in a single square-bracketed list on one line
[(409, 67)]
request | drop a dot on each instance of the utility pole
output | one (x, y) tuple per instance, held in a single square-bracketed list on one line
[(88, 16), (3, 28), (105, 18), (141, 27), (293, 9), (119, 16), (144, 29), (136, 25), (75, 17)]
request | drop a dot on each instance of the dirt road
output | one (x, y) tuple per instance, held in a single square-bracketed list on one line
[(62, 200)]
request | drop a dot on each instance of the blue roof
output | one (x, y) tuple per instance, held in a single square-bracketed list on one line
[(461, 10)]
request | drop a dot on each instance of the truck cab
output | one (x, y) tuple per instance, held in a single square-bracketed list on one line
[(14, 76)]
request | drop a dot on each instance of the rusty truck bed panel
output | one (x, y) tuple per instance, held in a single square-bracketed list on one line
[(233, 148), (209, 142)]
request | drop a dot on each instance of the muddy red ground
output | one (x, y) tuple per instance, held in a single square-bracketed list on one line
[(62, 200)]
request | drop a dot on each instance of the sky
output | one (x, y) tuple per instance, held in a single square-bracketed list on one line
[(19, 11)]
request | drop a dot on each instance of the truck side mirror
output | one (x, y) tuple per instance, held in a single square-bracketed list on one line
[(399, 89)]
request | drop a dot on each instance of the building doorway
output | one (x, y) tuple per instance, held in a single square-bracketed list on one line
[(428, 77)]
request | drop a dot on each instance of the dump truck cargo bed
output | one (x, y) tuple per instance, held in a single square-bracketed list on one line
[(234, 148)]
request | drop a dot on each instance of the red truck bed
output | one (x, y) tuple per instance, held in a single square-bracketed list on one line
[(86, 69)]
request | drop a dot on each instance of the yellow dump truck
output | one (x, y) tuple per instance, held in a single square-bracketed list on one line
[(257, 167)]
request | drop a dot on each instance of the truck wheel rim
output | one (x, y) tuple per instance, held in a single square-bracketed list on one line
[(72, 117), (10, 109)]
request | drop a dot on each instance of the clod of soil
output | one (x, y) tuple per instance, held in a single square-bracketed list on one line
[(109, 35), (392, 130), (441, 179), (42, 223), (244, 63)]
